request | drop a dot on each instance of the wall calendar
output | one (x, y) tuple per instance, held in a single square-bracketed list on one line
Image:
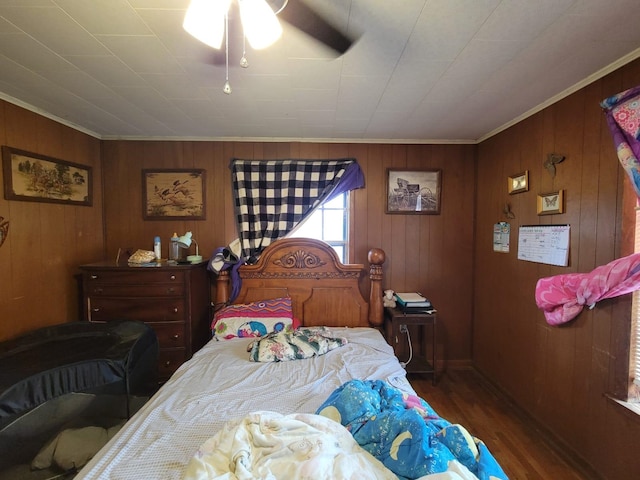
[(544, 244)]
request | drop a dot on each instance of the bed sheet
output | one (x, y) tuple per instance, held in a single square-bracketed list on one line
[(220, 384)]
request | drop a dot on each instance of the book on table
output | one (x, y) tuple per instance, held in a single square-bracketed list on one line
[(413, 302)]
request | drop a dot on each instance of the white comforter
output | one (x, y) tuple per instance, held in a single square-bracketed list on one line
[(269, 445)]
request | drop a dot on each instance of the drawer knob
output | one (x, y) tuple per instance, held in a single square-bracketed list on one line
[(167, 363), (95, 309), (175, 309), (94, 277), (97, 290), (171, 290), (172, 277), (176, 336)]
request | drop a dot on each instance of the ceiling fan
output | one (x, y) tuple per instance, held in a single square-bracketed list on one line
[(301, 16), (296, 13)]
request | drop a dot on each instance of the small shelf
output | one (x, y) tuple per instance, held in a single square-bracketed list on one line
[(419, 364)]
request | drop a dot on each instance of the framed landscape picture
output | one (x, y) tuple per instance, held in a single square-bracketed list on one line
[(173, 194), (31, 177), (413, 191)]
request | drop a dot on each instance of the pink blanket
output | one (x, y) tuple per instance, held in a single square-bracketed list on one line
[(562, 297)]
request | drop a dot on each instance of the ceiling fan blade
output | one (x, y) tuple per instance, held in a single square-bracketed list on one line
[(301, 16)]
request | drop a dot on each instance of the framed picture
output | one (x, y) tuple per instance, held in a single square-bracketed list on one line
[(31, 177), (551, 203), (173, 194), (414, 191), (518, 183)]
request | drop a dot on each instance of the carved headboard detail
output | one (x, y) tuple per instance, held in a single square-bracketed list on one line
[(323, 290)]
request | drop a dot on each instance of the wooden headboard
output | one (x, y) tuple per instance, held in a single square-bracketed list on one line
[(323, 290)]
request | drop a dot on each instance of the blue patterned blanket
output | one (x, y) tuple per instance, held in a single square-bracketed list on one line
[(405, 433)]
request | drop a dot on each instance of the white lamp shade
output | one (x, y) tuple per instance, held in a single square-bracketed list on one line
[(259, 22), (185, 240), (205, 20)]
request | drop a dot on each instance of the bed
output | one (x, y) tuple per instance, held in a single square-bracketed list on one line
[(289, 410)]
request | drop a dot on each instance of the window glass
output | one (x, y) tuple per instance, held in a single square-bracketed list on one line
[(334, 225), (329, 222)]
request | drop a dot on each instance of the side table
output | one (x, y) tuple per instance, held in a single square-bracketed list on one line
[(395, 323)]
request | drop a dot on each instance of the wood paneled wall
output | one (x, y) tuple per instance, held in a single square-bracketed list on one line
[(46, 241), (428, 253), (558, 374)]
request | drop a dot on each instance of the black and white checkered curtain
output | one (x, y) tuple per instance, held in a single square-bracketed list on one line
[(274, 196)]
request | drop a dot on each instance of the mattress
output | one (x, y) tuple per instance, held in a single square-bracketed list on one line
[(77, 357), (220, 384)]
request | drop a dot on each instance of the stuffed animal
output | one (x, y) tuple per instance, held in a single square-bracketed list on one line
[(388, 300)]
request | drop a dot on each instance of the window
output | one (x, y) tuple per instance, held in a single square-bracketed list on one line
[(329, 222), (634, 353), (624, 386)]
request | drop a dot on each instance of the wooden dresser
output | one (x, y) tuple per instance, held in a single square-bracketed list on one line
[(173, 299)]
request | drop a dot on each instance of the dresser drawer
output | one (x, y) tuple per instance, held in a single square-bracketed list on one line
[(159, 309), (132, 276), (170, 335), (169, 361), (172, 299), (151, 290)]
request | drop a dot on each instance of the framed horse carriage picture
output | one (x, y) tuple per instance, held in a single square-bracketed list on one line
[(414, 191)]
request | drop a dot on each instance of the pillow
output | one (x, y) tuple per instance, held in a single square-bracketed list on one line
[(253, 319), (73, 447), (302, 343)]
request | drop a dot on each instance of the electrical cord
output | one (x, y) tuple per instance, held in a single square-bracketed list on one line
[(406, 330)]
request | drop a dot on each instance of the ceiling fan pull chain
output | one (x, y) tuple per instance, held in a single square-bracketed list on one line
[(244, 63), (227, 87)]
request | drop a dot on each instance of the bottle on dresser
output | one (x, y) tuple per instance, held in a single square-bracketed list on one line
[(157, 248), (174, 248)]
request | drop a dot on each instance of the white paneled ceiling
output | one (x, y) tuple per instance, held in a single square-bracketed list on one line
[(421, 70)]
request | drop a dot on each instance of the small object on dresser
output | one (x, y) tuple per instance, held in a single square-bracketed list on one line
[(413, 302), (174, 248), (157, 248), (142, 256)]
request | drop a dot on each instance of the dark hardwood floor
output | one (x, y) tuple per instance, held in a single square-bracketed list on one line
[(464, 396)]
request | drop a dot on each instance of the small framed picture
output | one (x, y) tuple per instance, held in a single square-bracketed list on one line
[(518, 183), (551, 203), (413, 191), (173, 194)]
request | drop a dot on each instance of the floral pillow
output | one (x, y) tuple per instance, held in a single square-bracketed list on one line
[(253, 319), (302, 343)]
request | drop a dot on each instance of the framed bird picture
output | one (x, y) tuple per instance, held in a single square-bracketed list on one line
[(173, 194)]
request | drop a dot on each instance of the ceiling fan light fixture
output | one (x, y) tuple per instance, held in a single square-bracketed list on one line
[(259, 22), (205, 20)]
